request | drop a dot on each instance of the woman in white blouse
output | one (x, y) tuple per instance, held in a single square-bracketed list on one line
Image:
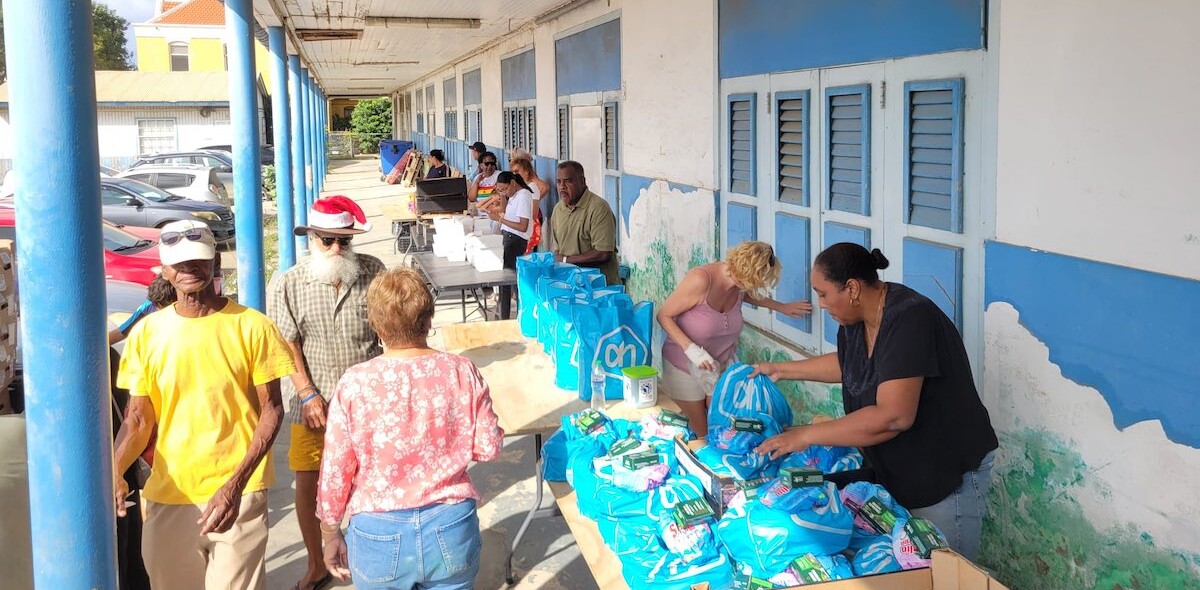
[(514, 211)]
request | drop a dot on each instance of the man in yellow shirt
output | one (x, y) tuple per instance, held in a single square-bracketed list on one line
[(206, 371)]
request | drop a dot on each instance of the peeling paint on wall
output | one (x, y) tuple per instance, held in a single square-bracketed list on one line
[(1078, 502)]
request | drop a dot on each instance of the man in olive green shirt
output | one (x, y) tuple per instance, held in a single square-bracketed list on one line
[(583, 225)]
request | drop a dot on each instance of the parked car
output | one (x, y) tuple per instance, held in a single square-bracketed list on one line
[(127, 257), (266, 154), (221, 161), (129, 202), (190, 181), (106, 172)]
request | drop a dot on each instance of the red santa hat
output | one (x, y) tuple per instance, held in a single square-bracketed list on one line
[(337, 215)]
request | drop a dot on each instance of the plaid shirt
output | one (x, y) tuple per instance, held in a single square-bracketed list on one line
[(330, 325)]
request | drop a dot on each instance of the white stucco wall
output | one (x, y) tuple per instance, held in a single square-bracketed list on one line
[(668, 66), (665, 132), (1097, 130)]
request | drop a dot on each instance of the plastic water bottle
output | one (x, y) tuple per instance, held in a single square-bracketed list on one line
[(598, 379)]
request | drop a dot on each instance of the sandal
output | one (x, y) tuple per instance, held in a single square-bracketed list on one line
[(317, 585)]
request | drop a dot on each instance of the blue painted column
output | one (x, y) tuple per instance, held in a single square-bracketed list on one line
[(247, 172), (283, 155), (296, 147), (322, 137), (60, 267), (309, 126)]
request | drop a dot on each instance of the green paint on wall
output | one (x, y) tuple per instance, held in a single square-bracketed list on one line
[(807, 398), (653, 278), (1037, 537)]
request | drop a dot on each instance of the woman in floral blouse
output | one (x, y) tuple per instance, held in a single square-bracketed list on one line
[(401, 431)]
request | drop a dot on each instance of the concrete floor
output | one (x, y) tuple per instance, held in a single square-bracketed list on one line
[(547, 558)]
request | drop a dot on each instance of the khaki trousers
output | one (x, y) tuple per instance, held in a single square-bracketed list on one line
[(179, 558)]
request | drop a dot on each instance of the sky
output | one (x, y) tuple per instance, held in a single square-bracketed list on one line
[(134, 11)]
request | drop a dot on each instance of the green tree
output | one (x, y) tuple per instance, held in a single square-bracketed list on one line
[(108, 39), (371, 121)]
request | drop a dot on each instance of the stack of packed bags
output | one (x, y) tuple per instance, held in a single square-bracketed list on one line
[(580, 322), (780, 525)]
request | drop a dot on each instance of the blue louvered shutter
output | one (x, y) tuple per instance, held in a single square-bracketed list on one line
[(848, 167), (741, 143), (610, 136), (934, 146), (792, 142), (564, 132)]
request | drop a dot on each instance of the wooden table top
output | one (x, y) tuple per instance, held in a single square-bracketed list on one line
[(521, 378)]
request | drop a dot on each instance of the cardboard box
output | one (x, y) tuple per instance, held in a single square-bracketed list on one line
[(950, 571), (7, 255), (718, 489)]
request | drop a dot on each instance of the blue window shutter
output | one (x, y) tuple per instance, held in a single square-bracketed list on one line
[(792, 250), (848, 147), (530, 130), (742, 134), (933, 144), (935, 271), (741, 224), (836, 233), (792, 146), (610, 136), (564, 132)]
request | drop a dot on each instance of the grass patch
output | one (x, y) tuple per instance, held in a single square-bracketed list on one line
[(270, 257)]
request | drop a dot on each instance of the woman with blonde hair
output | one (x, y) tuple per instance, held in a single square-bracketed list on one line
[(702, 319), (402, 430)]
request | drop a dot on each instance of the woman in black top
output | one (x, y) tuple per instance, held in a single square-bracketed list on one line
[(910, 400)]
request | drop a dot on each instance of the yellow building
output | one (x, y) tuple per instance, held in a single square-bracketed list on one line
[(189, 36)]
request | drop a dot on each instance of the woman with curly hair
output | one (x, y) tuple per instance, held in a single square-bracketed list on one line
[(703, 320)]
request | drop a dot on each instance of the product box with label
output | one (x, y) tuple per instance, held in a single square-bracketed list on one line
[(718, 489)]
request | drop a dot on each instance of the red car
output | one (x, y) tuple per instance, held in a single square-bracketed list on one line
[(127, 257)]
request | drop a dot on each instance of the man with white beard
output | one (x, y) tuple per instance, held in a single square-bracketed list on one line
[(320, 308)]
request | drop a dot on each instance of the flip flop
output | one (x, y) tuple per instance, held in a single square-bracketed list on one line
[(317, 585)]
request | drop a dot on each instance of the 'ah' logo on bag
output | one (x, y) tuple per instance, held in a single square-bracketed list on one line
[(620, 348)]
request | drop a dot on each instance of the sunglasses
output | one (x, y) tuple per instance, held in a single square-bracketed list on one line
[(488, 164), (342, 241), (174, 237)]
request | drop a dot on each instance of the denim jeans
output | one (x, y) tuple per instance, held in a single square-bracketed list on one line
[(960, 515), (435, 546)]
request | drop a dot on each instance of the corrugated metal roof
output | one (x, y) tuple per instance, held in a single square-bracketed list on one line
[(156, 87), (192, 12)]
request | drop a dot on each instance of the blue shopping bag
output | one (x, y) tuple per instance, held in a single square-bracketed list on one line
[(562, 281), (565, 351), (766, 540), (617, 337), (738, 397), (530, 268)]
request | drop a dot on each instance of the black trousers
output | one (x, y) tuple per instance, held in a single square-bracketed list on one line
[(514, 246)]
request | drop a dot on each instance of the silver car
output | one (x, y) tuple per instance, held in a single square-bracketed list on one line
[(190, 181)]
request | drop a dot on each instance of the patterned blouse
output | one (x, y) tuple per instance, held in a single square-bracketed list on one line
[(401, 433)]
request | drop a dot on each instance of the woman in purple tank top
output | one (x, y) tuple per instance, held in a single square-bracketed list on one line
[(703, 320)]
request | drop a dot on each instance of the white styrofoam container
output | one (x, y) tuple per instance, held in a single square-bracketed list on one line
[(489, 259)]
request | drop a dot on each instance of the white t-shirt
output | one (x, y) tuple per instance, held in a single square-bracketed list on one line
[(520, 206)]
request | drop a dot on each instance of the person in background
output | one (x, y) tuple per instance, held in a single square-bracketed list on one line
[(702, 319), (159, 294), (477, 150), (217, 416), (512, 208), (319, 306), (401, 432), (583, 226), (538, 187), (480, 189), (438, 167), (908, 393)]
